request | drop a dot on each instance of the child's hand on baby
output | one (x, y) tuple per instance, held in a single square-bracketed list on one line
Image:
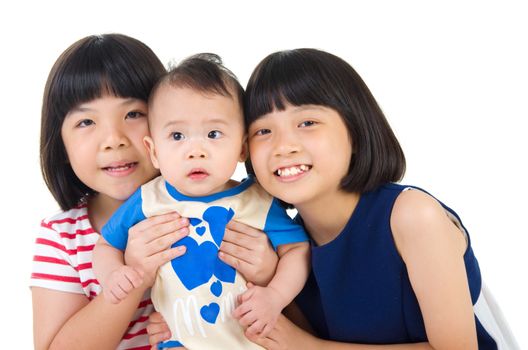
[(259, 309), (121, 282)]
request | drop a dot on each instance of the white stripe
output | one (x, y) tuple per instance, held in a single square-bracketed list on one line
[(491, 317)]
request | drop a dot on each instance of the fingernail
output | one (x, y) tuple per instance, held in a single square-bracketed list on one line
[(183, 221), (181, 248)]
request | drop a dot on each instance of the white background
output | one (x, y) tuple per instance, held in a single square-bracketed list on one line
[(451, 78)]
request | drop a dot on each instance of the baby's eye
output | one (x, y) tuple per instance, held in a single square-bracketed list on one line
[(307, 123), (135, 114), (214, 134), (84, 123), (261, 132), (177, 136)]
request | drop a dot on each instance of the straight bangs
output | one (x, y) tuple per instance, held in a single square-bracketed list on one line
[(287, 77), (99, 67)]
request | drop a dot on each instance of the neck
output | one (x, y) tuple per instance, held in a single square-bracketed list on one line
[(325, 218), (100, 208)]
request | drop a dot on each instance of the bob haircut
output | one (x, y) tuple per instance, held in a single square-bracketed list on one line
[(309, 76), (92, 67), (203, 72)]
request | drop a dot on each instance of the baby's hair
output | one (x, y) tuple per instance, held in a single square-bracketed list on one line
[(203, 72), (94, 66), (313, 77)]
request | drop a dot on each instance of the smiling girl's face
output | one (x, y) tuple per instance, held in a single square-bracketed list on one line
[(300, 154), (104, 143)]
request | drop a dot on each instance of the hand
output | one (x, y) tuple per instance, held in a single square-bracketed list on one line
[(259, 309), (249, 251), (157, 330), (149, 243), (286, 335), (120, 282)]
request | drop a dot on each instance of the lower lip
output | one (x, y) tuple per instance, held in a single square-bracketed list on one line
[(121, 172), (198, 176)]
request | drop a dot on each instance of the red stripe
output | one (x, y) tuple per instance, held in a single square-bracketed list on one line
[(146, 347), (132, 335), (67, 220), (141, 319), (144, 303), (81, 248), (87, 282), (49, 259), (45, 276), (84, 266), (77, 232)]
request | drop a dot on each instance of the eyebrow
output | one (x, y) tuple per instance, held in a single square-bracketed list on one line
[(210, 121), (303, 108)]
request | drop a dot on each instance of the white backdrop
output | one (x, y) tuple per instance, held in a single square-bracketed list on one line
[(451, 77)]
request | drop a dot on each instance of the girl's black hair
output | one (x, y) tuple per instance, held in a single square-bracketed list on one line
[(94, 66), (313, 77)]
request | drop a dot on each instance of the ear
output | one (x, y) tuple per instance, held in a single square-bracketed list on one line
[(149, 145), (244, 152)]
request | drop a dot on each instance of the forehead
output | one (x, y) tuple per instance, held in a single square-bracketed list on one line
[(187, 104)]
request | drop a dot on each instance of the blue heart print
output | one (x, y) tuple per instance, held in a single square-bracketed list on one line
[(200, 262), (217, 218), (200, 230), (210, 312), (195, 221), (216, 288)]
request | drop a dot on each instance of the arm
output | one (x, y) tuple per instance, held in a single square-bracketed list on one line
[(432, 248), (117, 279), (64, 320), (261, 306)]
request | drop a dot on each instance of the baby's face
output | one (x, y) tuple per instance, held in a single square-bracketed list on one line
[(196, 139)]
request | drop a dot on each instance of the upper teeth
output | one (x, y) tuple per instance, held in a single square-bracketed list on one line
[(292, 170), (119, 168)]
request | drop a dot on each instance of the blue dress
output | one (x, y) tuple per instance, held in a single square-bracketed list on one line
[(359, 289)]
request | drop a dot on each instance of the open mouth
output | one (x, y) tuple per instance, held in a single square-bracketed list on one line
[(292, 170), (197, 174), (121, 167)]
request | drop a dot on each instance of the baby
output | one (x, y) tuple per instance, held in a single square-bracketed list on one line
[(197, 138)]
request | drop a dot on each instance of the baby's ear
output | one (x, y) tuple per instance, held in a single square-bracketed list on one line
[(244, 152), (149, 145)]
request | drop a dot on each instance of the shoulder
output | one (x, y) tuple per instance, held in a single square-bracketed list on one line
[(419, 220), (74, 217)]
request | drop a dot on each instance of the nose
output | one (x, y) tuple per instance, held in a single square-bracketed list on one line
[(285, 144), (196, 150), (115, 138)]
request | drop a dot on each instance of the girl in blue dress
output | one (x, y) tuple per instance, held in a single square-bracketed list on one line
[(391, 265)]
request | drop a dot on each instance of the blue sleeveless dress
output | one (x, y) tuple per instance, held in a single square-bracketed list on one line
[(359, 290)]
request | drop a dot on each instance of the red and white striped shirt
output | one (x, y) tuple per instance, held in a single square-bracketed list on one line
[(63, 262)]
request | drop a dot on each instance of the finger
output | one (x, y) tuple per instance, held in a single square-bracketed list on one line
[(156, 317), (256, 327), (165, 241), (266, 343), (248, 319), (241, 310), (159, 337), (117, 294), (244, 229), (134, 277), (165, 256), (155, 220), (266, 331), (239, 251), (161, 230), (240, 239)]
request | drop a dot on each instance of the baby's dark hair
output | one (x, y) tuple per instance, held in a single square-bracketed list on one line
[(313, 77), (94, 66), (203, 72)]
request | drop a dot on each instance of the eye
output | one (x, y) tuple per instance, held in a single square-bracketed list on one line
[(177, 136), (135, 115), (262, 132), (84, 123), (214, 134), (307, 123)]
